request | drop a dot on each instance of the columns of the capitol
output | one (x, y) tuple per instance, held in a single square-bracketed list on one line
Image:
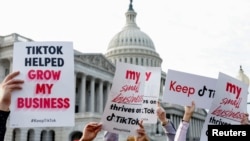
[(106, 93), (45, 136), (75, 74), (144, 62), (197, 128), (75, 84), (92, 94), (37, 134), (31, 135), (49, 136), (161, 88), (11, 64), (100, 93), (1, 71), (139, 61), (133, 60), (108, 84), (82, 106), (21, 135), (192, 130), (108, 89)]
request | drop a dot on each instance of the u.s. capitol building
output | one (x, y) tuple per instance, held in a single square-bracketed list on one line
[(94, 73)]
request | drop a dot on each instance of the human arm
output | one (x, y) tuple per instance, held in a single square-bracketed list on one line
[(167, 125), (245, 120), (90, 131), (181, 132), (3, 119), (8, 85), (142, 136)]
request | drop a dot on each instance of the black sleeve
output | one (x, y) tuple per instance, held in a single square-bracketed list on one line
[(3, 120)]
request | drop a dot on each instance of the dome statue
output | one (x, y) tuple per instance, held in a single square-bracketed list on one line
[(242, 77)]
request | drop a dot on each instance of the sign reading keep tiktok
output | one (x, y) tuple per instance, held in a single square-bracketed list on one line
[(47, 97), (182, 88)]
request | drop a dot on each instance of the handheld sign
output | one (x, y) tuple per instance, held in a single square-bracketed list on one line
[(48, 97), (182, 88), (122, 112), (229, 104), (151, 94)]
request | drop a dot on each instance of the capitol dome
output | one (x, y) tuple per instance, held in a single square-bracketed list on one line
[(132, 36), (131, 45)]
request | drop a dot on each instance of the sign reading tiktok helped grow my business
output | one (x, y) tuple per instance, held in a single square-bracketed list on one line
[(228, 106), (124, 105), (183, 88), (47, 98)]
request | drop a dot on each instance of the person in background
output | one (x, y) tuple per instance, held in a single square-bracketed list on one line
[(8, 85), (170, 131), (108, 136), (245, 120), (91, 130), (167, 125), (142, 136), (181, 132)]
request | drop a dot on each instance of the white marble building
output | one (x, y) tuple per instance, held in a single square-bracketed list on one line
[(93, 76)]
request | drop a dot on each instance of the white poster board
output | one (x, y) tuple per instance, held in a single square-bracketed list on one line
[(48, 95), (182, 88), (125, 100), (151, 94), (229, 104)]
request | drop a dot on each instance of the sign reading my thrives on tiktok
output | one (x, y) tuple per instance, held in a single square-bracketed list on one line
[(125, 98), (227, 108), (47, 98), (129, 100)]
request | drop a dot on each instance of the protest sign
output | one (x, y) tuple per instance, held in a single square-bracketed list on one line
[(229, 104), (47, 98), (122, 112), (182, 88), (151, 94)]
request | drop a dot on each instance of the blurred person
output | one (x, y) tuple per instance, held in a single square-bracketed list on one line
[(181, 132), (167, 124), (245, 120), (8, 85), (91, 130)]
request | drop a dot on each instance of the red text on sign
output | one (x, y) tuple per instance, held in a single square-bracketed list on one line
[(44, 74), (234, 89), (182, 89)]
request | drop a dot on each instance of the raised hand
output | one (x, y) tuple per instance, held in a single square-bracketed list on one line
[(8, 85)]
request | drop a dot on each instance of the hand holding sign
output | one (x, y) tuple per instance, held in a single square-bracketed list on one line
[(189, 110), (244, 120), (90, 131), (161, 114), (9, 85), (142, 136)]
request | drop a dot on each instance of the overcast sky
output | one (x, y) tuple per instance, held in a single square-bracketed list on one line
[(202, 37)]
